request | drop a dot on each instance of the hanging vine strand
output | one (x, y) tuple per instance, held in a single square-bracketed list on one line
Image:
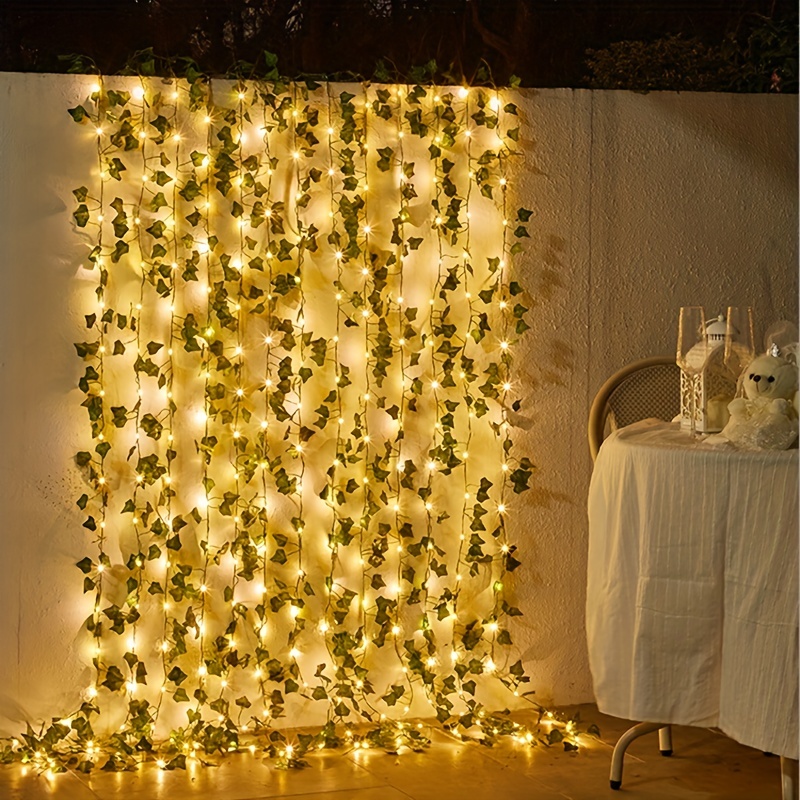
[(298, 377)]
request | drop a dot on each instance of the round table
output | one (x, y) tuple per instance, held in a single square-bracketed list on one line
[(692, 594)]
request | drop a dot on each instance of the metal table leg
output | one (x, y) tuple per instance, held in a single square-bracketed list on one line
[(664, 741), (789, 778)]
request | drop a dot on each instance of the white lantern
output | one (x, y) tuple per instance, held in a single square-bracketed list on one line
[(714, 387)]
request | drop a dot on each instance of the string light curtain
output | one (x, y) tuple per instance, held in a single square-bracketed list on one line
[(300, 325)]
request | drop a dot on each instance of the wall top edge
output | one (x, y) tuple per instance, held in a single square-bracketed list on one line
[(8, 77)]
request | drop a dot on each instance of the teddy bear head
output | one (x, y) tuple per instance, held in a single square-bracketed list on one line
[(770, 376)]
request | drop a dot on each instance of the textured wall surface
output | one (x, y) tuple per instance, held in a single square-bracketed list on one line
[(643, 203)]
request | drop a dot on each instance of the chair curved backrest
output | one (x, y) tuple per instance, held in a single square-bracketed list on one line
[(642, 389)]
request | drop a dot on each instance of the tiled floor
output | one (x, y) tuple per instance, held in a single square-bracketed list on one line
[(706, 766)]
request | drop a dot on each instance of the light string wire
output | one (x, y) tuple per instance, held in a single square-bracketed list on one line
[(249, 284)]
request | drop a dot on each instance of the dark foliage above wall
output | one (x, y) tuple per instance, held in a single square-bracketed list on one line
[(716, 45), (763, 60)]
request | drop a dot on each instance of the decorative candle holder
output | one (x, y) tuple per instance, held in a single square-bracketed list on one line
[(714, 386)]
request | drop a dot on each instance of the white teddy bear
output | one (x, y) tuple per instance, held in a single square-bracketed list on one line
[(766, 417)]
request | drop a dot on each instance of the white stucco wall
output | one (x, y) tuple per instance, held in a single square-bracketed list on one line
[(643, 203)]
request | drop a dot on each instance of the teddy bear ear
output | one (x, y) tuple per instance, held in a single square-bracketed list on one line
[(783, 335)]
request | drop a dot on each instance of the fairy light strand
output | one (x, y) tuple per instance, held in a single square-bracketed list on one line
[(345, 613)]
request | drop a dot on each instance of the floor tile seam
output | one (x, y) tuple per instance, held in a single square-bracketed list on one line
[(83, 779), (79, 776), (488, 753), (542, 781), (41, 781), (534, 781), (377, 777), (272, 796), (354, 793)]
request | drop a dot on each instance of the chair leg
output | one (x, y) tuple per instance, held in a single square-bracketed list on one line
[(615, 778), (665, 740), (789, 778)]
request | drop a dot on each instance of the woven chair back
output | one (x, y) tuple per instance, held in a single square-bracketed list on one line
[(643, 389)]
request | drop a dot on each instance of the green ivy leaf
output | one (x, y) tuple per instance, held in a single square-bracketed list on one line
[(115, 167), (161, 178), (79, 113), (158, 201), (114, 679), (81, 215), (555, 736), (177, 676), (85, 565), (120, 249)]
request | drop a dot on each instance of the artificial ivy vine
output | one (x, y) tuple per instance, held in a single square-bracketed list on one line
[(298, 378)]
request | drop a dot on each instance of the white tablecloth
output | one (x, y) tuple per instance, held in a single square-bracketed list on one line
[(692, 595)]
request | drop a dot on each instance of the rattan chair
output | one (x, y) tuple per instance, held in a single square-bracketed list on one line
[(641, 390)]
